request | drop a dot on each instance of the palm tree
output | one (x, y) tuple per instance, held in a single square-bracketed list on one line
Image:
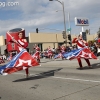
[(87, 31)]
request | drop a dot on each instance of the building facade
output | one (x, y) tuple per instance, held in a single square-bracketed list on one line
[(51, 39), (44, 40)]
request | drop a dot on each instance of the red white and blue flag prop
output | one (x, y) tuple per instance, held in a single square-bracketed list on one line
[(21, 61), (60, 55), (81, 53)]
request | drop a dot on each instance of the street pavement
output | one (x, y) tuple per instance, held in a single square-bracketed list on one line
[(53, 80)]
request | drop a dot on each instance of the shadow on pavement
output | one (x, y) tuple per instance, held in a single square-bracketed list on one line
[(94, 66), (40, 75)]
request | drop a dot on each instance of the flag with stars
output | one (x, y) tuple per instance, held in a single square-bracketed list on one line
[(80, 53), (21, 61)]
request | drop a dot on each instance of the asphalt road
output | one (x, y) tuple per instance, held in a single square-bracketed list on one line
[(53, 80)]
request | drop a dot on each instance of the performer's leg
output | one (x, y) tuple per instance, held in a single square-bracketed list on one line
[(62, 56), (27, 73), (38, 58), (79, 62), (88, 62), (51, 56)]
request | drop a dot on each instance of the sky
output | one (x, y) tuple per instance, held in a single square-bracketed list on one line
[(47, 15)]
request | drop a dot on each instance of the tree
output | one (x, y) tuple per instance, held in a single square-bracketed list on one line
[(87, 31)]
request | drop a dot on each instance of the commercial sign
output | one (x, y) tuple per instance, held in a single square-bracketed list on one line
[(81, 21), (69, 29)]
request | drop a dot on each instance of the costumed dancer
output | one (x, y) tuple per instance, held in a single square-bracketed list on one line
[(98, 45), (45, 53), (22, 43), (81, 44), (61, 50), (50, 52), (37, 53)]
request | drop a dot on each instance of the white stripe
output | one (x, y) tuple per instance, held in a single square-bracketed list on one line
[(80, 42), (21, 42), (73, 79)]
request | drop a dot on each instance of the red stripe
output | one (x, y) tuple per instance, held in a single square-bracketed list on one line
[(79, 44)]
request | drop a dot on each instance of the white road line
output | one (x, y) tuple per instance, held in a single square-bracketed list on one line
[(25, 74), (63, 78), (73, 79), (18, 73)]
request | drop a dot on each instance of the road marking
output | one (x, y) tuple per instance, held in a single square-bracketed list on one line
[(18, 73), (63, 78), (73, 79), (25, 74)]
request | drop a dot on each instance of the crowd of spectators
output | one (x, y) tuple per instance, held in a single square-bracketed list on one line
[(44, 54)]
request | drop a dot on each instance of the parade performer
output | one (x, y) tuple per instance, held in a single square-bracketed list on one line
[(22, 43), (82, 52), (98, 45), (61, 50), (81, 44), (36, 55), (22, 61), (50, 52)]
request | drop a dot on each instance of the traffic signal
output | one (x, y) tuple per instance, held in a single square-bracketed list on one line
[(37, 30), (64, 34), (84, 36), (69, 37)]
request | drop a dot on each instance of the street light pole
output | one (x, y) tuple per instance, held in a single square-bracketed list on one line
[(69, 28), (62, 3), (64, 18), (64, 21), (69, 22)]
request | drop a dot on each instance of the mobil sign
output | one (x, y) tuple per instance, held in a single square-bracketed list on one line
[(81, 21)]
